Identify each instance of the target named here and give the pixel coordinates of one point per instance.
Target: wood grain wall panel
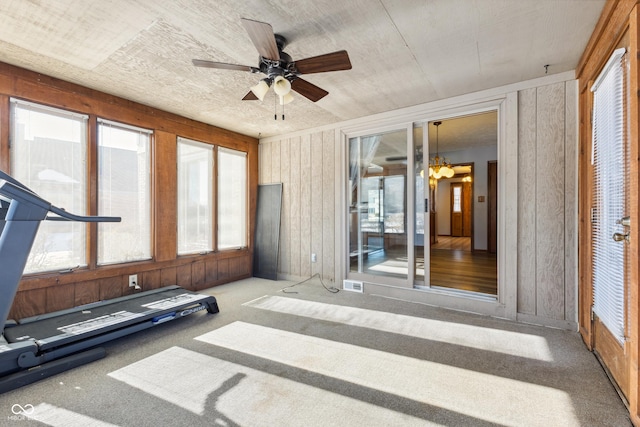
(237, 266)
(165, 195)
(110, 287)
(246, 270)
(198, 274)
(4, 133)
(294, 207)
(183, 276)
(223, 269)
(60, 297)
(276, 160)
(85, 292)
(527, 122)
(328, 204)
(211, 271)
(28, 303)
(168, 276)
(571, 201)
(252, 199)
(550, 202)
(264, 169)
(305, 205)
(317, 175)
(150, 280)
(285, 221)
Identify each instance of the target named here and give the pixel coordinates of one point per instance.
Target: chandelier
(438, 166)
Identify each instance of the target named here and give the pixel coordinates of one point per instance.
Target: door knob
(625, 221)
(619, 237)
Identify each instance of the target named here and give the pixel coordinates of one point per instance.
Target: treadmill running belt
(72, 326)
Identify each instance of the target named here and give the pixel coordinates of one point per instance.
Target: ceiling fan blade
(250, 96)
(221, 65)
(308, 90)
(334, 61)
(263, 39)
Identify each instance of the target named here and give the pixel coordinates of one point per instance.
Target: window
(610, 171)
(232, 199)
(124, 190)
(195, 197)
(49, 155)
(457, 197)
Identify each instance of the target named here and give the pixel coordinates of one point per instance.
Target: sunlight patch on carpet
(230, 394)
(467, 392)
(478, 337)
(57, 417)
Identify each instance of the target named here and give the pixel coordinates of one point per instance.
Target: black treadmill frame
(27, 354)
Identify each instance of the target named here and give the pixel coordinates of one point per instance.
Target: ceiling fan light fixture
(261, 89)
(281, 86)
(285, 99)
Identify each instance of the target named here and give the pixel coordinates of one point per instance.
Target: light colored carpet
(303, 356)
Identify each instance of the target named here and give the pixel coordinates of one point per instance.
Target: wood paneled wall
(547, 202)
(306, 166)
(42, 293)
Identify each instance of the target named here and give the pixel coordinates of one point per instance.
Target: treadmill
(41, 346)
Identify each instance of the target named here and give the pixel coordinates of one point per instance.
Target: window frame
(245, 209)
(150, 194)
(85, 139)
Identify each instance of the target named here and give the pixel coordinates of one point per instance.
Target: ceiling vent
(352, 285)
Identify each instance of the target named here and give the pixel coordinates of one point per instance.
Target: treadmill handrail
(14, 190)
(6, 177)
(66, 216)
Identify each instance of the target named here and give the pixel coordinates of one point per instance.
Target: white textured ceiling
(403, 52)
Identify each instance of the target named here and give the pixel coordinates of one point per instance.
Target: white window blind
(232, 199)
(610, 176)
(49, 155)
(124, 190)
(195, 197)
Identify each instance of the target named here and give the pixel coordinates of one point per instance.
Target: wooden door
(467, 209)
(612, 193)
(456, 210)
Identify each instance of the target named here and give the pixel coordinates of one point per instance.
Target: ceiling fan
(283, 73)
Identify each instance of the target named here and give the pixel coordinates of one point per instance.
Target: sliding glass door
(378, 198)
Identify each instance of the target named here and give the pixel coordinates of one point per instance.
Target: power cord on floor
(331, 289)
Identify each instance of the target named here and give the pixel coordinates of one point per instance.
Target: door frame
(505, 103)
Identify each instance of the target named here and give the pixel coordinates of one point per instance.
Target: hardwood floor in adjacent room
(464, 270)
(453, 243)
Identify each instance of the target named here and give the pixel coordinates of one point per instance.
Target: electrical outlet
(314, 258)
(133, 280)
